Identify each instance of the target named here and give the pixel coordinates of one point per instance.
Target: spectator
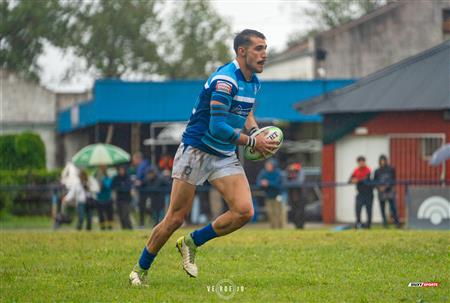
(104, 199)
(361, 177)
(153, 188)
(141, 166)
(295, 179)
(384, 180)
(121, 185)
(166, 176)
(79, 192)
(270, 179)
(166, 162)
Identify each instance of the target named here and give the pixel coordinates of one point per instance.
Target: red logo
(430, 284)
(223, 87)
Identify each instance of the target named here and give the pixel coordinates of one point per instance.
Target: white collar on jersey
(236, 64)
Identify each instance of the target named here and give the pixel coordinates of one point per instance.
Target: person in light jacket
(79, 192)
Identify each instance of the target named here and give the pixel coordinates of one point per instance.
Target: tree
(116, 37)
(24, 28)
(326, 14)
(197, 43)
(331, 13)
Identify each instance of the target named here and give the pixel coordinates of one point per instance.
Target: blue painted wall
(122, 101)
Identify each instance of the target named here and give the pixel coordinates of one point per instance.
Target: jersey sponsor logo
(238, 110)
(224, 87)
(187, 170)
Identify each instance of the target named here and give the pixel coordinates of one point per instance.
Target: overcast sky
(273, 18)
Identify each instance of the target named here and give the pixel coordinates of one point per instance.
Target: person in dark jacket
(153, 186)
(270, 179)
(384, 179)
(122, 185)
(361, 177)
(141, 167)
(104, 199)
(295, 180)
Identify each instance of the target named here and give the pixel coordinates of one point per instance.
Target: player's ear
(242, 51)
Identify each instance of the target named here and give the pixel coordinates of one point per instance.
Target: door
(347, 150)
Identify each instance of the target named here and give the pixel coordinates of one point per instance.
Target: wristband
(251, 141)
(253, 130)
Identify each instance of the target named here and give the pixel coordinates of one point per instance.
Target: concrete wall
(363, 46)
(26, 106)
(382, 38)
(26, 101)
(66, 100)
(72, 143)
(295, 68)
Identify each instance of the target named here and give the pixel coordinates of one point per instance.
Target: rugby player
(208, 152)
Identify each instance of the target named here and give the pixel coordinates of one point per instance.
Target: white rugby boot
(187, 249)
(138, 277)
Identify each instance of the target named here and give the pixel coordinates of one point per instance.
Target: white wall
(24, 101)
(73, 142)
(297, 68)
(26, 106)
(347, 150)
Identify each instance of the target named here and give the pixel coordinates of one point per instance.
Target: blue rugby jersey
(228, 86)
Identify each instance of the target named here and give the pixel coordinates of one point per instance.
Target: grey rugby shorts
(195, 166)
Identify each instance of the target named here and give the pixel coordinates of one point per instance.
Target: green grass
(272, 266)
(25, 222)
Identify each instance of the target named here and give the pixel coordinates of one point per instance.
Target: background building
(402, 111)
(127, 114)
(363, 46)
(27, 106)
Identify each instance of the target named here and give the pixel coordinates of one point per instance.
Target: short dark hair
(361, 158)
(243, 38)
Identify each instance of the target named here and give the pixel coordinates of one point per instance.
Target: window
(446, 23)
(429, 146)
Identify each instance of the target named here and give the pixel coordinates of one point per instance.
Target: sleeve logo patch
(223, 87)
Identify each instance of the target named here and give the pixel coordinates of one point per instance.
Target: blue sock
(146, 259)
(203, 235)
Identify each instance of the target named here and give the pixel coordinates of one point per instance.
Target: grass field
(265, 265)
(25, 222)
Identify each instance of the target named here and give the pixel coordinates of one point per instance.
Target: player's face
(256, 54)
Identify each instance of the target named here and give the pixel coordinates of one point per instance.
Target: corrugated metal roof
(421, 82)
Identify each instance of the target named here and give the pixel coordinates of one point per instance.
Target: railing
(37, 199)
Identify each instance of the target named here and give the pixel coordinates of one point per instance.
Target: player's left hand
(265, 145)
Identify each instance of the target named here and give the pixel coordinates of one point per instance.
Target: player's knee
(175, 221)
(244, 216)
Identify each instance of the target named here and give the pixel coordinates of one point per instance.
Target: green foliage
(24, 28)
(116, 37)
(271, 265)
(198, 42)
(22, 161)
(31, 150)
(331, 13)
(22, 151)
(19, 201)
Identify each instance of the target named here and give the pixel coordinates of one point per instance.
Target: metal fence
(38, 199)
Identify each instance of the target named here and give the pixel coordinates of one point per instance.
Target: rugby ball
(270, 132)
